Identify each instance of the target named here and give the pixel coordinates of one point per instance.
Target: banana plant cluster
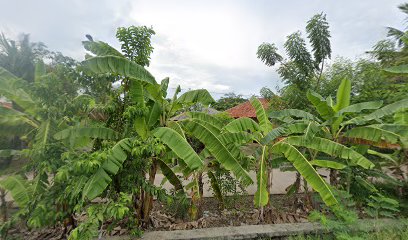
(337, 126)
(151, 115)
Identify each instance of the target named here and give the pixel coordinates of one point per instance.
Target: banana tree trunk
(3, 205)
(296, 201)
(269, 186)
(333, 177)
(148, 199)
(201, 194)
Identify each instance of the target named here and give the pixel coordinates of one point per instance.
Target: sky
(202, 44)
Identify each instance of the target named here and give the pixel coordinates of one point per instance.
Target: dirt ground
(237, 211)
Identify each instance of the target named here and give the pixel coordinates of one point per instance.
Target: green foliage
(318, 32)
(19, 188)
(120, 66)
(267, 52)
(228, 101)
(111, 165)
(381, 206)
(219, 150)
(306, 170)
(136, 43)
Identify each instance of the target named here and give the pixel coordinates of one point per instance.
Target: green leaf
(14, 89)
(367, 185)
(388, 157)
(218, 150)
(343, 95)
(304, 167)
(358, 107)
(98, 182)
(4, 153)
(382, 112)
(264, 123)
(242, 125)
(331, 148)
(215, 187)
(164, 86)
(176, 127)
(43, 133)
(179, 146)
(92, 132)
(273, 135)
(207, 118)
(328, 164)
(196, 96)
(19, 189)
(235, 138)
(292, 113)
(101, 48)
(322, 107)
(154, 114)
(170, 175)
(401, 117)
(373, 133)
(261, 196)
(39, 71)
(120, 66)
(401, 69)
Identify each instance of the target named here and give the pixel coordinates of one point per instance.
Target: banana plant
(276, 141)
(339, 124)
(150, 113)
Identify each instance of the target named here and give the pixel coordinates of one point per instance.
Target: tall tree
(228, 101)
(303, 68)
(19, 57)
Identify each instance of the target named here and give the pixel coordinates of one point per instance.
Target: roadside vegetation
(83, 142)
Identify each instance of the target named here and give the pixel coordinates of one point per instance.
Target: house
(246, 109)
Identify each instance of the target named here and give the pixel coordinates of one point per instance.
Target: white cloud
(202, 44)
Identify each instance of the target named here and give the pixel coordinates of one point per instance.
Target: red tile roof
(246, 110)
(6, 105)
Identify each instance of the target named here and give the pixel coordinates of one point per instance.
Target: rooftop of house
(246, 109)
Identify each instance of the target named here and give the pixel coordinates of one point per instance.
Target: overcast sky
(202, 44)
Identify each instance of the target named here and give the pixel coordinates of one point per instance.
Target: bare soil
(237, 211)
